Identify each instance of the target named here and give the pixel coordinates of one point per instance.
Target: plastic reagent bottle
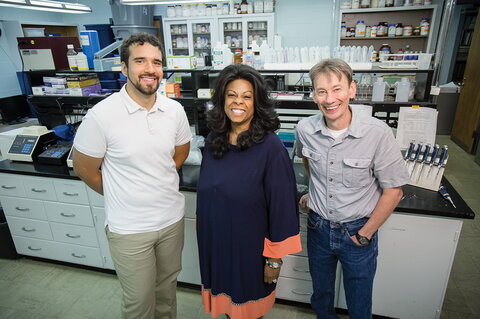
(360, 29)
(82, 62)
(403, 90)
(72, 58)
(378, 92)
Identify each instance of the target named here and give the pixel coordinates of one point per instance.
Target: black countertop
(416, 200)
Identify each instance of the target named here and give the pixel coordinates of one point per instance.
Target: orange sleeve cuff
(279, 249)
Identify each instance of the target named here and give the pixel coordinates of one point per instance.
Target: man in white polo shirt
(139, 139)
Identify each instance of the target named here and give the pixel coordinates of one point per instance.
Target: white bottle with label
(378, 92)
(72, 58)
(82, 62)
(403, 90)
(360, 29)
(217, 56)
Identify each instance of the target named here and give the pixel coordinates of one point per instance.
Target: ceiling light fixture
(149, 2)
(46, 5)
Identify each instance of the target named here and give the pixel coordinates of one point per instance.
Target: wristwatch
(273, 264)
(364, 241)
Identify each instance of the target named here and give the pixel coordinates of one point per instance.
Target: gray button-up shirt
(347, 174)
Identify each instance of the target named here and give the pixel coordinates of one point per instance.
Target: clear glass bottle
(72, 58)
(244, 7)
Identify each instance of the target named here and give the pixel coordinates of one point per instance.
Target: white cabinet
(392, 15)
(415, 258)
(50, 218)
(190, 263)
(239, 31)
(197, 35)
(193, 36)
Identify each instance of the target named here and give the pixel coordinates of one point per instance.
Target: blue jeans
(330, 242)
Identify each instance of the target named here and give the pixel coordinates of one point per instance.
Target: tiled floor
(37, 289)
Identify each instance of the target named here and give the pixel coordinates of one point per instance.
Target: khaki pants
(147, 267)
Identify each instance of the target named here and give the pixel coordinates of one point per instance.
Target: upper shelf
(389, 9)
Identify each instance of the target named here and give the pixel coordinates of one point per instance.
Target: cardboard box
(172, 90)
(85, 91)
(181, 62)
(83, 83)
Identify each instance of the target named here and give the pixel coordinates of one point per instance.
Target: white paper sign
(418, 124)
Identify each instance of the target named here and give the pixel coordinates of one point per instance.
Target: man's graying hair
(138, 38)
(328, 66)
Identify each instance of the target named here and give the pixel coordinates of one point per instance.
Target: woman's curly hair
(265, 119)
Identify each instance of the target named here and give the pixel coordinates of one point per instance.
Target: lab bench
(53, 215)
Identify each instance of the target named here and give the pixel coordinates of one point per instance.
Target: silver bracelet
(273, 264)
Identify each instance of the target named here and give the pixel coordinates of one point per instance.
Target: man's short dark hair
(138, 38)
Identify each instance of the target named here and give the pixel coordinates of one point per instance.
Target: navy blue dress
(246, 211)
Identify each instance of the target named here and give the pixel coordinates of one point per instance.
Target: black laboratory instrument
(55, 154)
(433, 157)
(443, 158)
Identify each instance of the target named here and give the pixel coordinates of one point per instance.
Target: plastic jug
(403, 89)
(82, 61)
(378, 92)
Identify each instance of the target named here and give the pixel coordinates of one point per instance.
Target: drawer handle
(302, 293)
(28, 230)
(39, 190)
(70, 194)
(34, 249)
(67, 215)
(78, 256)
(8, 187)
(22, 209)
(72, 236)
(300, 269)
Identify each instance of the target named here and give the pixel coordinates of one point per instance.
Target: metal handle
(8, 187)
(34, 249)
(78, 256)
(70, 194)
(28, 230)
(67, 215)
(22, 209)
(300, 269)
(39, 190)
(302, 293)
(72, 236)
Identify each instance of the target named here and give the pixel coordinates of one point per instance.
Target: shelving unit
(405, 15)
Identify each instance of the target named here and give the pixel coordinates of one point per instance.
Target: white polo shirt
(140, 181)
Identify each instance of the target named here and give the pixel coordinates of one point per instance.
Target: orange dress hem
(222, 304)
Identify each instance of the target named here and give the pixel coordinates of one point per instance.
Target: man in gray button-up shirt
(356, 172)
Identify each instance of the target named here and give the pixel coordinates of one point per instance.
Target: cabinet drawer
(69, 213)
(35, 247)
(303, 240)
(23, 207)
(79, 255)
(29, 228)
(71, 192)
(294, 289)
(11, 185)
(40, 188)
(295, 267)
(190, 204)
(95, 198)
(72, 234)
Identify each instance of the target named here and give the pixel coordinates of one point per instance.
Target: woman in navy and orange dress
(247, 214)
